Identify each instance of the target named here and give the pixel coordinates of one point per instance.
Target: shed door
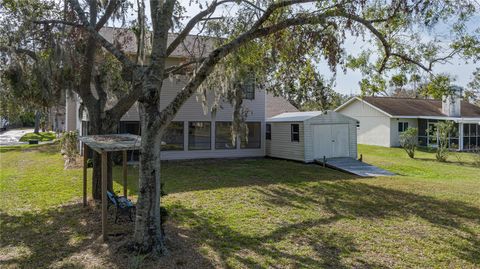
(330, 141)
(340, 140)
(322, 145)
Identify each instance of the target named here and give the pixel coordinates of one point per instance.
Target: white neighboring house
(382, 119)
(313, 135)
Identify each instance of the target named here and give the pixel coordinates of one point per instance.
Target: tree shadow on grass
(195, 175)
(343, 200)
(69, 237)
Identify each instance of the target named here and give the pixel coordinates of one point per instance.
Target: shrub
(408, 141)
(68, 145)
(444, 130)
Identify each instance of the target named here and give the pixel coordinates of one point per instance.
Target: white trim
(460, 136)
(345, 104)
(363, 101)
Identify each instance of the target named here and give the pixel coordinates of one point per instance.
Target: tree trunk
(148, 236)
(99, 126)
(37, 122)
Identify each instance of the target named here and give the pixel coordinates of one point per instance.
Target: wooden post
(104, 196)
(324, 161)
(125, 173)
(85, 163)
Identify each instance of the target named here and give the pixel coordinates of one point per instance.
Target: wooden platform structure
(103, 144)
(355, 167)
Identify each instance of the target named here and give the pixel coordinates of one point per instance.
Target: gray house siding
(193, 111)
(281, 146)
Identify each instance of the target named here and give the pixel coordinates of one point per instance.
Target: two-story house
(193, 133)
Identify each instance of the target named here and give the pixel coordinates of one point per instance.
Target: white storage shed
(308, 136)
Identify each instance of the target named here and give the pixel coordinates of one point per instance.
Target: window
(248, 87)
(172, 139)
(223, 136)
(402, 126)
(295, 133)
(199, 135)
(268, 132)
(253, 138)
(84, 128)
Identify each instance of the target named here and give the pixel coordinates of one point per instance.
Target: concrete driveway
(12, 137)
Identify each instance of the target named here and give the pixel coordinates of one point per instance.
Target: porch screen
(471, 136)
(223, 135)
(173, 137)
(254, 136)
(199, 135)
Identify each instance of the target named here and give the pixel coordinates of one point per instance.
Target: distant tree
(472, 93)
(309, 92)
(29, 85)
(408, 141)
(437, 87)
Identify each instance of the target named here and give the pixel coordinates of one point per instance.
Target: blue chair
(123, 206)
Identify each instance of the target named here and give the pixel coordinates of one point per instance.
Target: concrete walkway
(12, 137)
(355, 167)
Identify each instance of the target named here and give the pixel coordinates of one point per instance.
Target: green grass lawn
(41, 136)
(258, 213)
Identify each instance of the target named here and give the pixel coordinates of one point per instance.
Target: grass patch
(41, 136)
(258, 213)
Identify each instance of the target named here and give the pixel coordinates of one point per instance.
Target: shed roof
(112, 142)
(295, 116)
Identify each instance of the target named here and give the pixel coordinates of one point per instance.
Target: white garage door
(330, 141)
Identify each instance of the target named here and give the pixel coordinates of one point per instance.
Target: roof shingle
(277, 105)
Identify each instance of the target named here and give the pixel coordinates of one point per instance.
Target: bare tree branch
(215, 56)
(111, 7)
(100, 39)
(191, 24)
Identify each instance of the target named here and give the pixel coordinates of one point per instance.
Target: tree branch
(191, 24)
(111, 7)
(215, 56)
(119, 55)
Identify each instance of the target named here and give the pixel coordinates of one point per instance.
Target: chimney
(451, 104)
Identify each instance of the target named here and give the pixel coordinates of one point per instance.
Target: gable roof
(277, 105)
(396, 107)
(295, 116)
